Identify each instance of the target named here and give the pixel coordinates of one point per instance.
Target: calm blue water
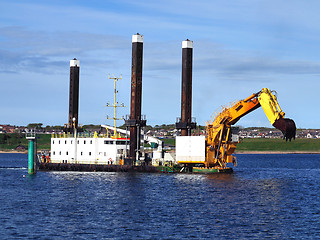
(267, 197)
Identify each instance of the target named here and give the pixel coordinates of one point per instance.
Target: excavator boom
(219, 141)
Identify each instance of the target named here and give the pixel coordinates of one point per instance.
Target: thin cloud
(228, 62)
(24, 50)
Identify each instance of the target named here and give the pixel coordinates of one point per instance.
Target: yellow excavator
(221, 143)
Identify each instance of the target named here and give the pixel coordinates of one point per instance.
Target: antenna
(115, 105)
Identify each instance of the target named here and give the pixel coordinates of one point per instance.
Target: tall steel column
(74, 94)
(136, 122)
(185, 122)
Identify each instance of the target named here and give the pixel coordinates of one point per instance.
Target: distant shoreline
(13, 151)
(237, 152)
(275, 152)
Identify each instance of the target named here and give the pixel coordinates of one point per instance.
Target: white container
(190, 149)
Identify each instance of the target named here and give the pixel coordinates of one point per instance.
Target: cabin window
(60, 153)
(90, 141)
(84, 141)
(59, 141)
(54, 153)
(78, 141)
(89, 153)
(81, 153)
(105, 154)
(52, 141)
(121, 142)
(71, 141)
(65, 142)
(66, 153)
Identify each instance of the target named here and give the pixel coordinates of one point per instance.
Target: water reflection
(189, 178)
(222, 177)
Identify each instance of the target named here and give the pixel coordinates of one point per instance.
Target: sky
(240, 47)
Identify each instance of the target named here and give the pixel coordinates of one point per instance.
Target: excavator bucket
(287, 126)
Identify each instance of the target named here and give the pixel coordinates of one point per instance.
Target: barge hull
(74, 167)
(212, 170)
(95, 168)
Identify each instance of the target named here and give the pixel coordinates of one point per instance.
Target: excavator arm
(219, 142)
(270, 106)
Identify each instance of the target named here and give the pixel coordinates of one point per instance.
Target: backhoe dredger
(221, 143)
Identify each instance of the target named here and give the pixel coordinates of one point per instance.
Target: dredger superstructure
(205, 154)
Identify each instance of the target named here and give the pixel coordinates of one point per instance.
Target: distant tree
(3, 138)
(8, 138)
(57, 127)
(148, 127)
(34, 125)
(91, 127)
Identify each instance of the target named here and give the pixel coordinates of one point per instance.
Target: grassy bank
(11, 141)
(279, 145)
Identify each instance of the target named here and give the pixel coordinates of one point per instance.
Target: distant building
(7, 129)
(309, 135)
